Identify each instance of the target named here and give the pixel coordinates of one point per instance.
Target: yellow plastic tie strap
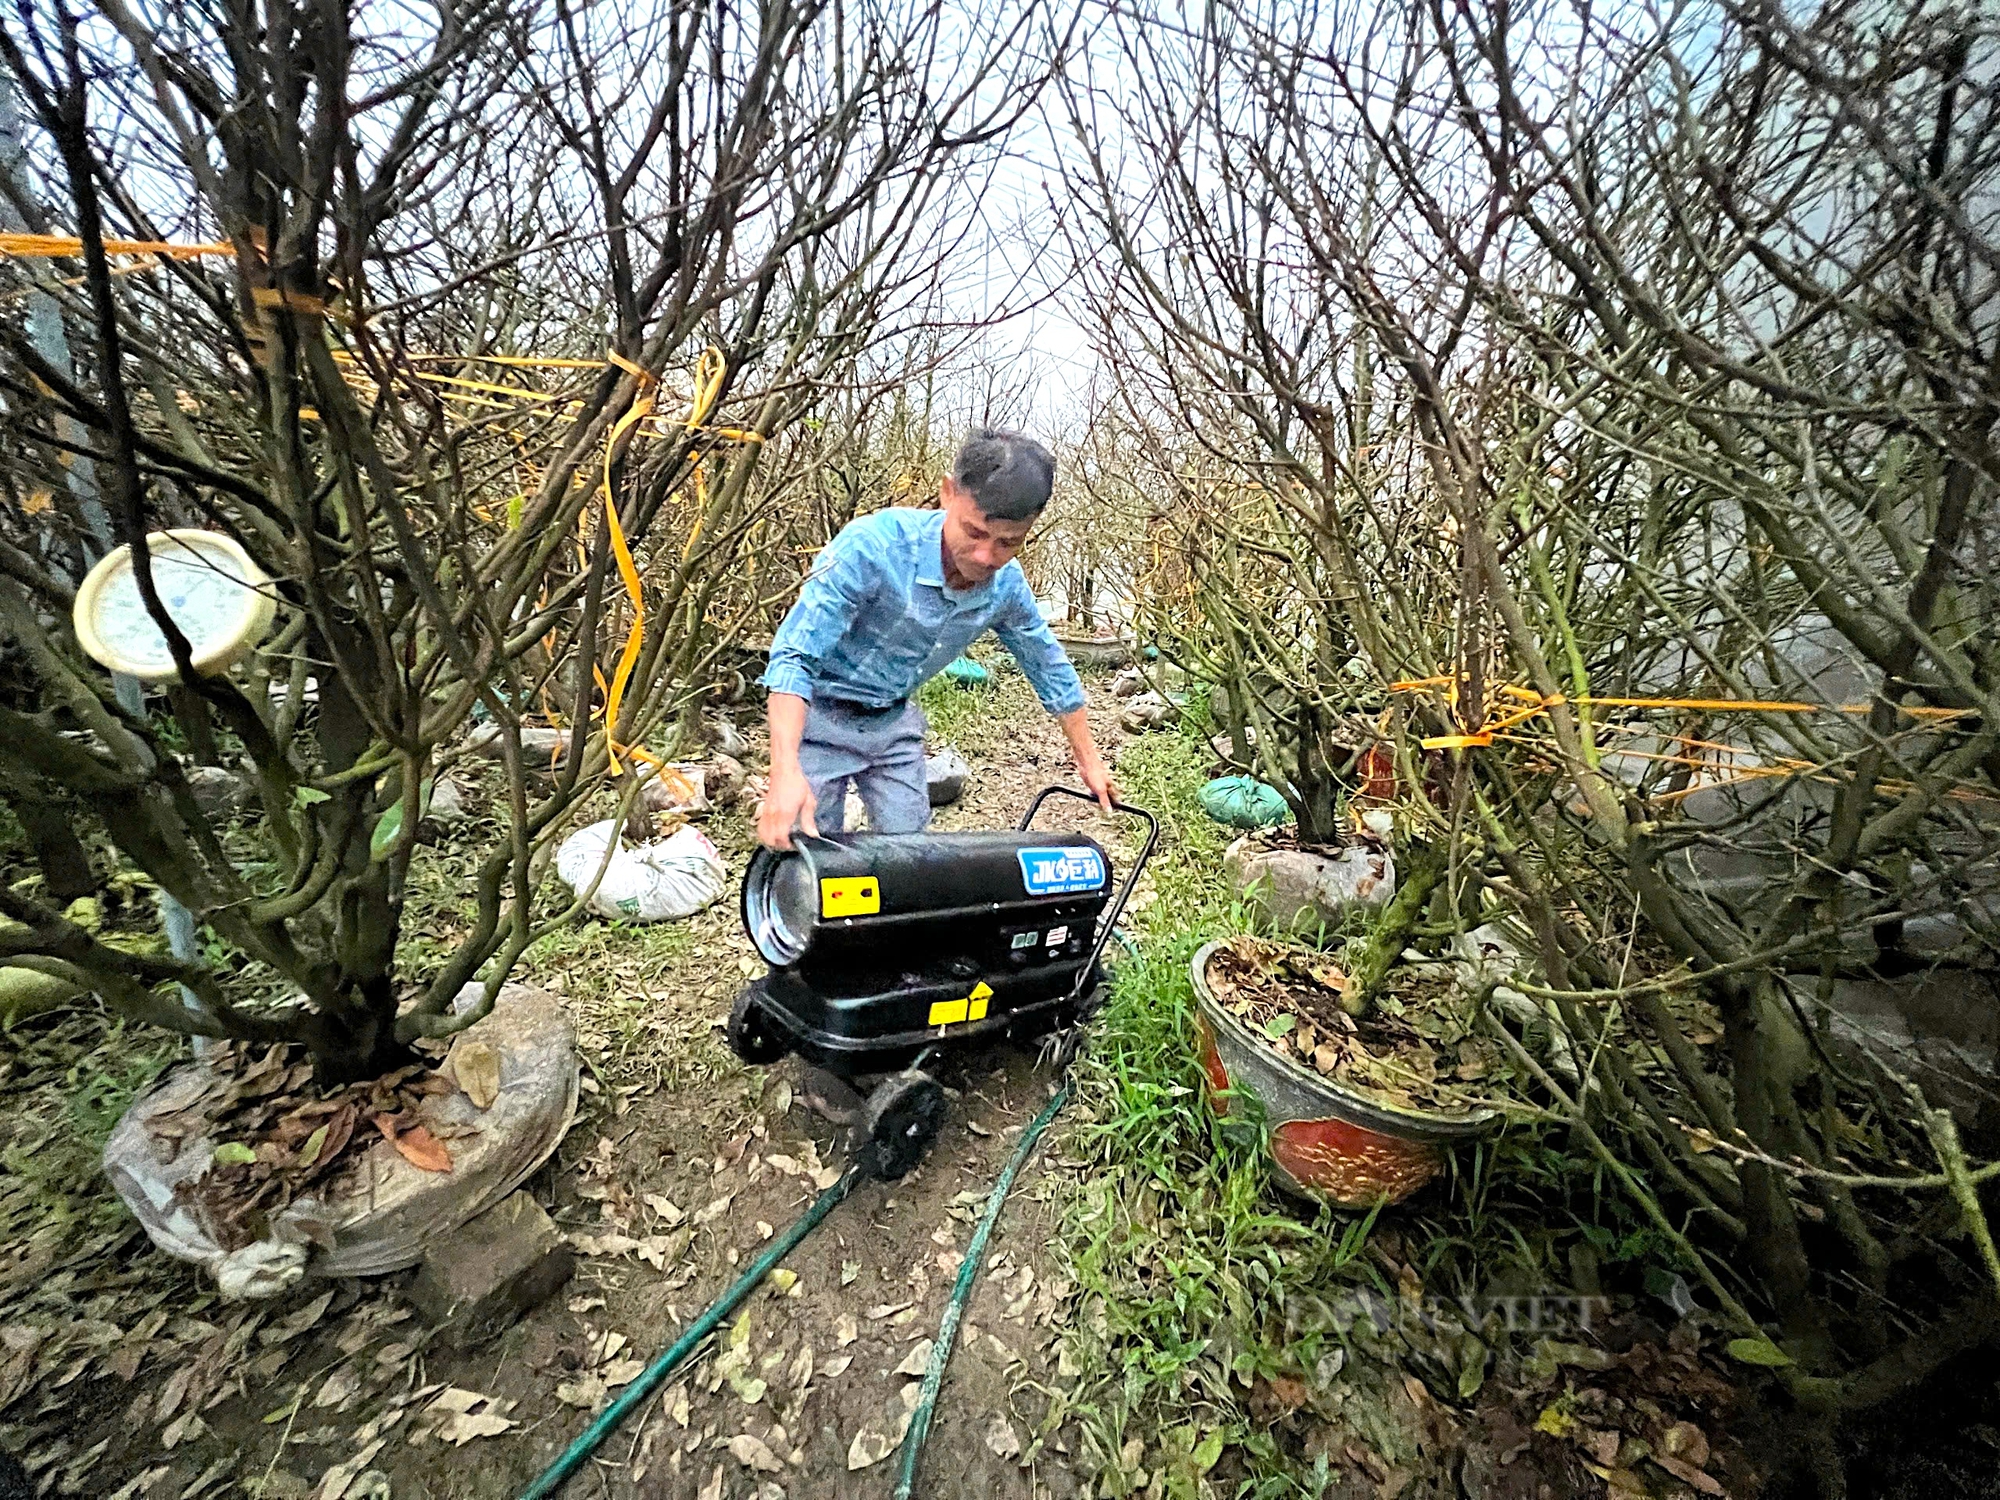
(43, 246)
(515, 361)
(628, 570)
(1541, 702)
(302, 303)
(709, 373)
(1456, 741)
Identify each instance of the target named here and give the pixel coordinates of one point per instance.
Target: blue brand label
(1057, 872)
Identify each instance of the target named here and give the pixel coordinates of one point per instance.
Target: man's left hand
(1096, 778)
(1090, 767)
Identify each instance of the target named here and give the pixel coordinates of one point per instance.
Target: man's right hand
(788, 805)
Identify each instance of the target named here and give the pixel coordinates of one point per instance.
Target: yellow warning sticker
(971, 1008)
(849, 896)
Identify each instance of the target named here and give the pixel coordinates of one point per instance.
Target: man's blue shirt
(875, 619)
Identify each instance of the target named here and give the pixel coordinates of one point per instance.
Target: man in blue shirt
(888, 604)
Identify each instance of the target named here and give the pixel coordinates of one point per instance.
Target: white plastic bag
(661, 882)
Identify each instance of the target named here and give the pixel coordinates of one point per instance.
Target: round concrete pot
(1327, 1141)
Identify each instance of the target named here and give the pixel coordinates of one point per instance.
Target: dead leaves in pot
(416, 1145)
(475, 1065)
(1412, 1049)
(261, 1100)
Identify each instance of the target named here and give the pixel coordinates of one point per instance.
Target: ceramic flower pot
(1327, 1141)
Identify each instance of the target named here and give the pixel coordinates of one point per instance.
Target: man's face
(975, 545)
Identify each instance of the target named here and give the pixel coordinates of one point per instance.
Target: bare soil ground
(681, 1165)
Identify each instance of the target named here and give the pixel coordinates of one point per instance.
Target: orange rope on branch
(614, 696)
(1539, 703)
(52, 246)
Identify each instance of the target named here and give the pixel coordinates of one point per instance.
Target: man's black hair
(1008, 474)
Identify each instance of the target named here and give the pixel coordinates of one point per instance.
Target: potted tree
(462, 489)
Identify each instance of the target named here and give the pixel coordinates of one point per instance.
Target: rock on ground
(447, 804)
(944, 776)
(1299, 890)
(218, 793)
(477, 1281)
(1147, 711)
(542, 748)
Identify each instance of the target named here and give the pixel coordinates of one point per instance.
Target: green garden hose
(557, 1474)
(961, 1293)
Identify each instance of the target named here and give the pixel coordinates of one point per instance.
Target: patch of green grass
(965, 717)
(1198, 1277)
(71, 1083)
(104, 1082)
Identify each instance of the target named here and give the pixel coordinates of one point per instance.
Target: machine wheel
(905, 1113)
(751, 1035)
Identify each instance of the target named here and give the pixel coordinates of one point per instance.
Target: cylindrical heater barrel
(887, 899)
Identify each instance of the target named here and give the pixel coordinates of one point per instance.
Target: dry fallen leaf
(1001, 1438)
(585, 1391)
(713, 1489)
(889, 1309)
(1687, 1473)
(1686, 1442)
(457, 1399)
(800, 1373)
(621, 1372)
(666, 1208)
(604, 1244)
(714, 1210)
(754, 1453)
(476, 1066)
(422, 1149)
(845, 1329)
(340, 1478)
(340, 1385)
(868, 1448)
(918, 1360)
(836, 1366)
(465, 1426)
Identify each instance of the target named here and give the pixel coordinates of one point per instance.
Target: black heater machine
(889, 950)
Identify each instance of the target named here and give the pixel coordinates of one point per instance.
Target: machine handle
(1124, 891)
(1059, 790)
